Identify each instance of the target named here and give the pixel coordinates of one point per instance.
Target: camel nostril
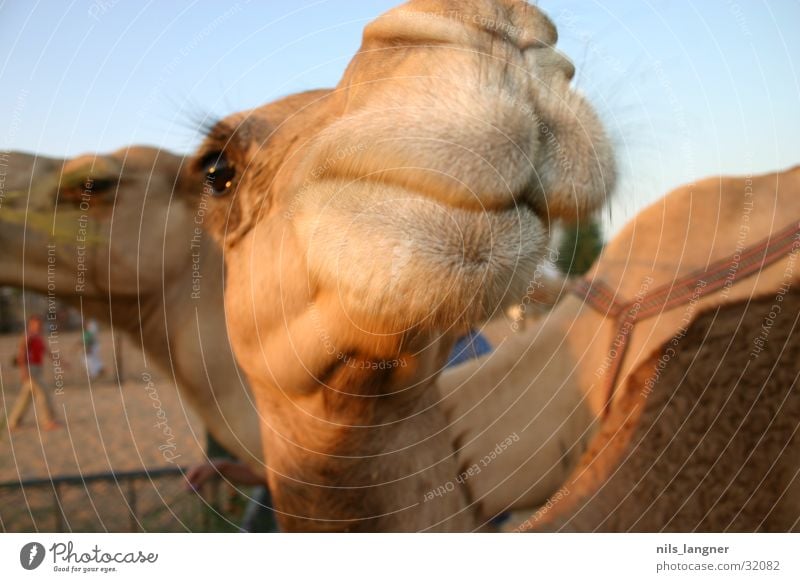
(549, 60)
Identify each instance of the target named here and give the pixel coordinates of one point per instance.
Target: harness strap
(722, 273)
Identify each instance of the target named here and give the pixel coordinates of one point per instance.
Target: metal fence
(136, 501)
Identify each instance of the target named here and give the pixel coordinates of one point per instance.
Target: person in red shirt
(30, 360)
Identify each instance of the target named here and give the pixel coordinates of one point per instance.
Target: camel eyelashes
(219, 172)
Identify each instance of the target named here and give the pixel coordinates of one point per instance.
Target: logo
(31, 555)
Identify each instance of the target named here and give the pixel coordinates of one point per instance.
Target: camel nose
(566, 65)
(530, 26)
(552, 61)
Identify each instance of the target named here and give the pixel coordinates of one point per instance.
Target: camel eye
(99, 186)
(83, 189)
(219, 172)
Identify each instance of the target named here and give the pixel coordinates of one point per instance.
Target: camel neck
(381, 460)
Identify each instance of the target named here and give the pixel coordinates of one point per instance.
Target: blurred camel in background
(662, 394)
(119, 236)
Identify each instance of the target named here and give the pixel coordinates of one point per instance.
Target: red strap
(719, 274)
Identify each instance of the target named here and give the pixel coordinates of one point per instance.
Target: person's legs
(41, 397)
(94, 363)
(20, 405)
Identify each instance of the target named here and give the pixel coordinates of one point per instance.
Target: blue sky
(687, 88)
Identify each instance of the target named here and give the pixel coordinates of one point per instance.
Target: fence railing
(144, 500)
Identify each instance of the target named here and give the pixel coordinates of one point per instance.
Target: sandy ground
(104, 427)
(107, 426)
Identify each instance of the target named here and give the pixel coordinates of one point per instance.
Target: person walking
(30, 360)
(91, 343)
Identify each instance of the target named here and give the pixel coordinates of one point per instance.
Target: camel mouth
(536, 205)
(434, 262)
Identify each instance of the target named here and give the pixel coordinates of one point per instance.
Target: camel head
(96, 226)
(120, 235)
(367, 226)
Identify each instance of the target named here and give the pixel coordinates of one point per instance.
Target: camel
(118, 236)
(377, 223)
(683, 418)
